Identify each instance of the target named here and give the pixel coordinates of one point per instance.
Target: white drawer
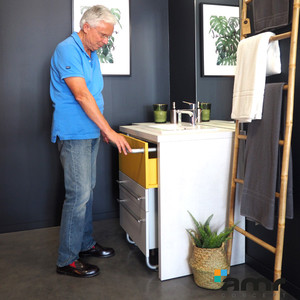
(138, 213)
(135, 210)
(135, 228)
(130, 191)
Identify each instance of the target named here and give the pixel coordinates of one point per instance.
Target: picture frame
(115, 57)
(220, 35)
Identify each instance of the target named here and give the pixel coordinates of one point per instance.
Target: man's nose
(105, 41)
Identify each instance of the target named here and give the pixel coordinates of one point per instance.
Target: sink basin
(179, 127)
(166, 126)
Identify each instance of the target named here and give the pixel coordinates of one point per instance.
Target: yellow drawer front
(138, 166)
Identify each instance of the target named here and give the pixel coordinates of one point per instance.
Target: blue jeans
(78, 158)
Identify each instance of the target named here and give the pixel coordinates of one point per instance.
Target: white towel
(256, 58)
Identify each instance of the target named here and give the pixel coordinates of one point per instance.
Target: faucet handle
(192, 104)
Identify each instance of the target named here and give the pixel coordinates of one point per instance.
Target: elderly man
(76, 92)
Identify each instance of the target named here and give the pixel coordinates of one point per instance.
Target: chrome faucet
(190, 111)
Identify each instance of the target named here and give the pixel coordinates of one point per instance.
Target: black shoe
(98, 251)
(79, 269)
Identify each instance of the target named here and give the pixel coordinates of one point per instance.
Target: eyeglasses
(103, 36)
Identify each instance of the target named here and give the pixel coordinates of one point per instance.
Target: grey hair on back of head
(95, 14)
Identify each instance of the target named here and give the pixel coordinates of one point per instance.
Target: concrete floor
(27, 271)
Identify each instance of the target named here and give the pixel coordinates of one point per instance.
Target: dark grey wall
(31, 180)
(31, 189)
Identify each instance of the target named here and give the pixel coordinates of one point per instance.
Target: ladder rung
(236, 180)
(256, 239)
(244, 137)
(241, 181)
(281, 36)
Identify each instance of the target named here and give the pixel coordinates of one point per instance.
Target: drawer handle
(137, 218)
(142, 150)
(121, 181)
(137, 197)
(122, 200)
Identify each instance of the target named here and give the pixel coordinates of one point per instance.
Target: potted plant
(209, 262)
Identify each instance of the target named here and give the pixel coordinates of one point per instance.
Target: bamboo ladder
(286, 143)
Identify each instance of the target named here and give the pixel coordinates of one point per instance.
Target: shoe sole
(100, 256)
(76, 275)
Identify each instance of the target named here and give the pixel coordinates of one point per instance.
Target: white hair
(95, 14)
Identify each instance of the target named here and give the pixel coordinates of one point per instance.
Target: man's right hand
(118, 140)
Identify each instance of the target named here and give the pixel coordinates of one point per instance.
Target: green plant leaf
(117, 13)
(204, 237)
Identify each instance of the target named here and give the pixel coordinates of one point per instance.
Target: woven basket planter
(204, 262)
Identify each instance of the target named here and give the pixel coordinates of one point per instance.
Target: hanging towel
(254, 56)
(261, 160)
(270, 14)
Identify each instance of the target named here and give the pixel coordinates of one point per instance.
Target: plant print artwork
(226, 33)
(220, 39)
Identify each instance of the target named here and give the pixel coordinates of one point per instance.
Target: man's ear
(86, 27)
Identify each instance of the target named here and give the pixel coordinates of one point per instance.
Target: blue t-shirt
(70, 122)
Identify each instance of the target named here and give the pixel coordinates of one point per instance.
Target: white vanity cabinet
(193, 174)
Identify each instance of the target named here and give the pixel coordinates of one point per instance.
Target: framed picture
(115, 56)
(220, 35)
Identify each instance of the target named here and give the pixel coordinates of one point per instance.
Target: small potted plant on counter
(209, 262)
